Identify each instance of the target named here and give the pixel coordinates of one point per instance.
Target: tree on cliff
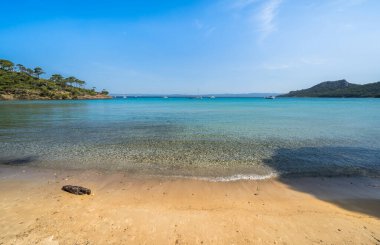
(58, 79)
(21, 68)
(38, 71)
(20, 82)
(6, 65)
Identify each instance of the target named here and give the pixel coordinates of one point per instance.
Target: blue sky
(183, 46)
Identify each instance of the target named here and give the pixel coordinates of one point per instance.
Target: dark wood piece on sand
(77, 190)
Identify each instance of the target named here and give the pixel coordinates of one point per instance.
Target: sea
(217, 139)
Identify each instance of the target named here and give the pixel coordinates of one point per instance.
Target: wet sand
(126, 209)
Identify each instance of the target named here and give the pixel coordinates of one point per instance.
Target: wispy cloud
(262, 13)
(266, 17)
(207, 29)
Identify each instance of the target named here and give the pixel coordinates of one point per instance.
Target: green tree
(22, 82)
(81, 83)
(38, 71)
(29, 71)
(58, 79)
(71, 80)
(6, 65)
(21, 68)
(105, 92)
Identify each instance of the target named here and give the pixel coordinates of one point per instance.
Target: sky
(193, 46)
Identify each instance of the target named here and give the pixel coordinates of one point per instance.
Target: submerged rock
(77, 190)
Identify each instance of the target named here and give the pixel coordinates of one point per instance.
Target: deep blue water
(208, 137)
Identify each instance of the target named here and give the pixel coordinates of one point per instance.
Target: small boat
(196, 97)
(270, 97)
(212, 97)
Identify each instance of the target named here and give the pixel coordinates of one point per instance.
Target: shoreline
(90, 97)
(132, 209)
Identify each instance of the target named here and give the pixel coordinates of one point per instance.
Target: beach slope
(126, 209)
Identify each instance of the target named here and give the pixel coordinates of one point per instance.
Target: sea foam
(231, 178)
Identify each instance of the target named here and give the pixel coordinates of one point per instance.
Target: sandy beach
(126, 209)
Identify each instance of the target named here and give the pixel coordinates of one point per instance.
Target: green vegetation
(19, 82)
(338, 89)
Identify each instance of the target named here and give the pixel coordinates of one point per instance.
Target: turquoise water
(222, 137)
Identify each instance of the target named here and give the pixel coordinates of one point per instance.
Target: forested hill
(338, 89)
(20, 82)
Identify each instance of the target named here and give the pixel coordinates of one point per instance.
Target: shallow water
(237, 137)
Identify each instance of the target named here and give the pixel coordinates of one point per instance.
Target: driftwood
(77, 190)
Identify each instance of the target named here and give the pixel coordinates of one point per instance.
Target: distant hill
(18, 82)
(338, 89)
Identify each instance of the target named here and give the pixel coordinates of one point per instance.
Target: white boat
(270, 97)
(197, 97)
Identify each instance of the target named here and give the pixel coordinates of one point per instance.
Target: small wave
(231, 178)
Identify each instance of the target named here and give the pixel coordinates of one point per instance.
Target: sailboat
(270, 97)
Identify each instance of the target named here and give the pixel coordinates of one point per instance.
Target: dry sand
(127, 209)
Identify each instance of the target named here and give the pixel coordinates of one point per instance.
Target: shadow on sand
(350, 188)
(18, 161)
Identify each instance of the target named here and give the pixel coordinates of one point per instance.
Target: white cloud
(267, 16)
(207, 29)
(261, 12)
